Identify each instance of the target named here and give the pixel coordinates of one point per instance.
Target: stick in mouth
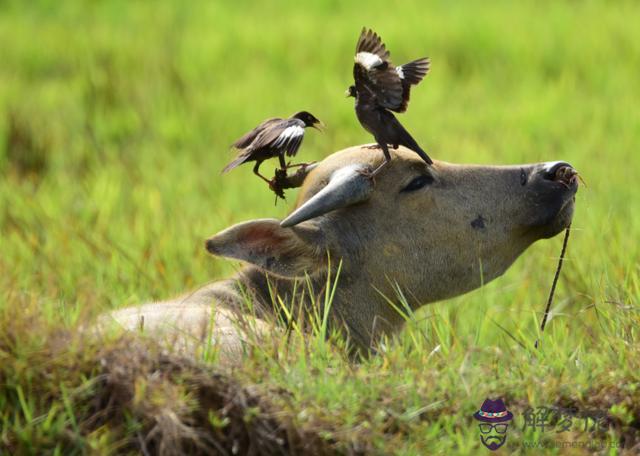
(553, 285)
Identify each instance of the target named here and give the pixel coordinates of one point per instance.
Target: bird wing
(411, 74)
(283, 136)
(373, 69)
(246, 140)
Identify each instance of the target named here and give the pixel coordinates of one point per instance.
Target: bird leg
(297, 165)
(387, 159)
(286, 166)
(257, 173)
(283, 164)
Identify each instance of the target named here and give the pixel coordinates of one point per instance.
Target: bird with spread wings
(380, 88)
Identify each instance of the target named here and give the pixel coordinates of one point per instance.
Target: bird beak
(319, 126)
(347, 94)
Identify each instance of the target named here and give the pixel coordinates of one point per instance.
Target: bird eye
(418, 182)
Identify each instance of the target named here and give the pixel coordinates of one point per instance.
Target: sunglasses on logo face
(485, 428)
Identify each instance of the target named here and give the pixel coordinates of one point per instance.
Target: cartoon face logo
(494, 418)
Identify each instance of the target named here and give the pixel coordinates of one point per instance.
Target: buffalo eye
(418, 182)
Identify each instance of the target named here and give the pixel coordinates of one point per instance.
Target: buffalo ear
(286, 252)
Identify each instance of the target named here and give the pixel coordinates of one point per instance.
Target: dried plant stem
(555, 282)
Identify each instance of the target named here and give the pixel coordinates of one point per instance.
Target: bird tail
(413, 72)
(409, 142)
(237, 162)
(417, 149)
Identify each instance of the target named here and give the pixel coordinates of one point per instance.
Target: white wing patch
(368, 60)
(289, 133)
(400, 72)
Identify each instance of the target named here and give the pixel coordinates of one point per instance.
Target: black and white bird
(273, 137)
(381, 88)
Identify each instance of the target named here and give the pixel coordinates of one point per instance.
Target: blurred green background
(116, 118)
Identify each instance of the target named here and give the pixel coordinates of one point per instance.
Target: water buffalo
(432, 232)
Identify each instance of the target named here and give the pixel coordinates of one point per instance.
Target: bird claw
(371, 174)
(282, 180)
(372, 146)
(276, 184)
(368, 173)
(303, 167)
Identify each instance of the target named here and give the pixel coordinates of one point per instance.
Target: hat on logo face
(493, 412)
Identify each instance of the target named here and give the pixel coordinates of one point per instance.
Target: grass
(115, 118)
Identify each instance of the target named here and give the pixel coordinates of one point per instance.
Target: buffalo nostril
(564, 174)
(550, 169)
